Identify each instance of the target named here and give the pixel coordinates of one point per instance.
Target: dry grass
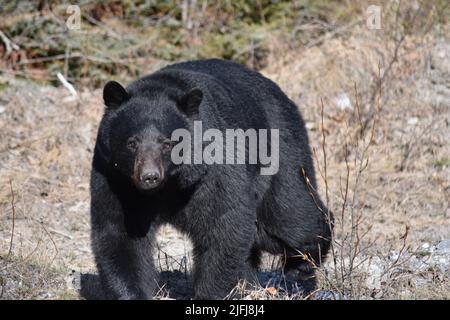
(389, 186)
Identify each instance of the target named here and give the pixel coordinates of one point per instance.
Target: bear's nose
(151, 178)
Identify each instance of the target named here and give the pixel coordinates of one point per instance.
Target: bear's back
(234, 76)
(253, 101)
(254, 93)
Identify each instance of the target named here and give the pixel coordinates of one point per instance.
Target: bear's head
(139, 131)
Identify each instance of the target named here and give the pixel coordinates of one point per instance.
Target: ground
(382, 159)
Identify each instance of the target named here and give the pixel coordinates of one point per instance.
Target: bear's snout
(148, 171)
(150, 179)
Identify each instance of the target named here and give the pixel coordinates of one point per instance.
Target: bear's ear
(190, 101)
(114, 94)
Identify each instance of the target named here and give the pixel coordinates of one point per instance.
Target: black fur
(230, 212)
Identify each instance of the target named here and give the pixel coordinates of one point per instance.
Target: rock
(376, 274)
(419, 282)
(278, 281)
(328, 295)
(417, 263)
(440, 259)
(73, 280)
(443, 247)
(413, 121)
(440, 57)
(343, 102)
(310, 126)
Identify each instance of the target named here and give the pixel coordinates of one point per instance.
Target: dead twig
(9, 45)
(52, 240)
(67, 85)
(13, 219)
(333, 33)
(72, 56)
(61, 233)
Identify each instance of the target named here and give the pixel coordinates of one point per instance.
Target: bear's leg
(299, 271)
(125, 264)
(219, 268)
(223, 245)
(295, 223)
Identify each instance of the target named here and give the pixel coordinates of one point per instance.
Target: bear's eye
(132, 144)
(167, 145)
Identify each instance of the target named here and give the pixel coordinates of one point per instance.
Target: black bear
(232, 212)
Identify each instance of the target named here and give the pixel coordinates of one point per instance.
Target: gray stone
(443, 247)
